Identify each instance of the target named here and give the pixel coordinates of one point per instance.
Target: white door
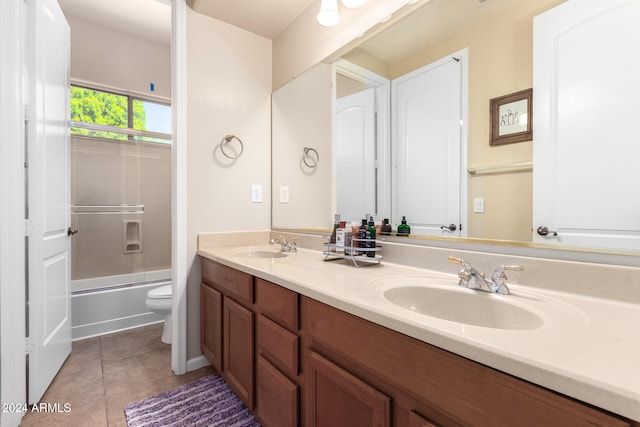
(427, 120)
(586, 143)
(49, 322)
(356, 163)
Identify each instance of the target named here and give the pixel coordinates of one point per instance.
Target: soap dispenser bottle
(371, 244)
(385, 229)
(403, 228)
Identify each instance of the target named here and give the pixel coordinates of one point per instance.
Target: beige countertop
(586, 347)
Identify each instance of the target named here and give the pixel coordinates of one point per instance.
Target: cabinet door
(277, 396)
(238, 350)
(338, 399)
(211, 325)
(416, 420)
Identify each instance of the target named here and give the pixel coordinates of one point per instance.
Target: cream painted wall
(229, 92)
(305, 43)
(301, 117)
(118, 60)
(500, 62)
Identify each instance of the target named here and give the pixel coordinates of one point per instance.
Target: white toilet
(159, 301)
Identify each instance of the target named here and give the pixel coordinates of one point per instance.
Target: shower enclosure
(121, 207)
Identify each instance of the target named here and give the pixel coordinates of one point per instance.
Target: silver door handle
(450, 227)
(543, 231)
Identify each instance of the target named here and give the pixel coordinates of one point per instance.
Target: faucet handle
(465, 273)
(501, 269)
(460, 261)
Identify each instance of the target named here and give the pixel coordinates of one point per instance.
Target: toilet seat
(161, 292)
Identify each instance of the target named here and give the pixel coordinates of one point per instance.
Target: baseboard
(197, 363)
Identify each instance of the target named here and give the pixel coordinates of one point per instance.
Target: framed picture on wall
(511, 118)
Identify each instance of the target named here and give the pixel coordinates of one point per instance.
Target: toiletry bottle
(355, 235)
(385, 229)
(404, 229)
(372, 235)
(340, 237)
(362, 235)
(336, 225)
(348, 242)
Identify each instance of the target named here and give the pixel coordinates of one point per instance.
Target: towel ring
(306, 156)
(227, 139)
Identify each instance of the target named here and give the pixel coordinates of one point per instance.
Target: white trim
(179, 185)
(133, 279)
(12, 248)
(382, 87)
(197, 363)
(132, 93)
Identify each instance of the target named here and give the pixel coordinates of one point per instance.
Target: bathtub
(104, 305)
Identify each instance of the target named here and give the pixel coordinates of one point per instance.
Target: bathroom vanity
(302, 343)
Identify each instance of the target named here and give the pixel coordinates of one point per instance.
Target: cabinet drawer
(231, 282)
(277, 303)
(277, 397)
(277, 345)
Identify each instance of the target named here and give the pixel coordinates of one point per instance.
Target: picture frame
(511, 118)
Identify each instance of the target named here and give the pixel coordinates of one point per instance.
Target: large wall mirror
(497, 186)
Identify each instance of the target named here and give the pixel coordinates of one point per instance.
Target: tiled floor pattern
(104, 374)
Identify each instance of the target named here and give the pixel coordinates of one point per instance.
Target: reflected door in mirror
(356, 163)
(427, 134)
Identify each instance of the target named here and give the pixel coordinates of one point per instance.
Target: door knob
(72, 231)
(543, 231)
(450, 227)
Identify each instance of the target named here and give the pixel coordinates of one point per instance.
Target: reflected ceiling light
(328, 15)
(353, 4)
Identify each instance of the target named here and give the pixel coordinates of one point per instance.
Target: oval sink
(464, 306)
(260, 253)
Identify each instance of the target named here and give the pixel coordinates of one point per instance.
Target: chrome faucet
(473, 279)
(285, 246)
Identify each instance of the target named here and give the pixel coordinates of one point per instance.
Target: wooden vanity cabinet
(318, 366)
(227, 326)
(430, 386)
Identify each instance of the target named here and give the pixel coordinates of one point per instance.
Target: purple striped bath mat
(206, 402)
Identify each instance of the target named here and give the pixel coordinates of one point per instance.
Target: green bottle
(371, 235)
(403, 229)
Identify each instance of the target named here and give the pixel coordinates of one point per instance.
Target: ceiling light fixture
(328, 15)
(353, 4)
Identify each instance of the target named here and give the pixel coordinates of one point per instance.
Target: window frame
(129, 131)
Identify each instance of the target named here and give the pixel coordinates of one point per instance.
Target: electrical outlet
(284, 194)
(478, 204)
(256, 193)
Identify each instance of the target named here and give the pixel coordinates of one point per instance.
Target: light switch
(478, 204)
(256, 193)
(284, 194)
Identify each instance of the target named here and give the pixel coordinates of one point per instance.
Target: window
(102, 114)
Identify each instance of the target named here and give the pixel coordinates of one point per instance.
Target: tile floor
(104, 374)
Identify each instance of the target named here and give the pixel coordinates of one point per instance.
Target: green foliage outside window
(104, 108)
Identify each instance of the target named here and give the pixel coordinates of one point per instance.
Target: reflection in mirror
(362, 143)
(498, 35)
